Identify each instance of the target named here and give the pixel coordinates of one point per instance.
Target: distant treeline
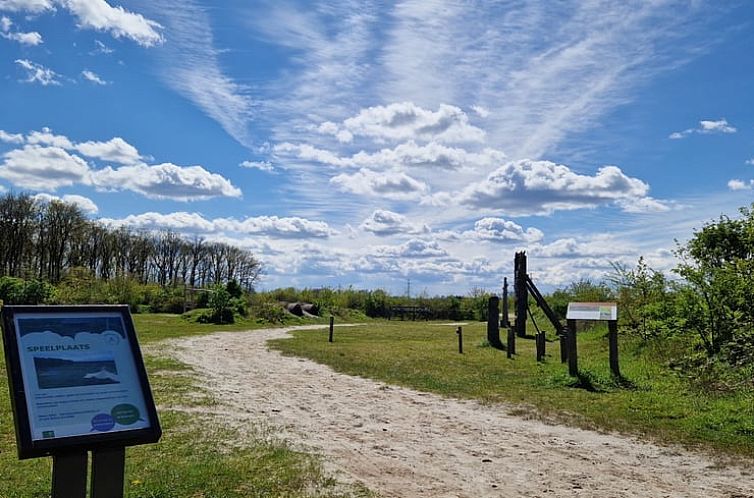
(47, 240)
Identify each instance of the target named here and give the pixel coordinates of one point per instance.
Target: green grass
(197, 457)
(648, 401)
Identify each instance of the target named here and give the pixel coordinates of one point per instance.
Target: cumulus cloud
(598, 246)
(383, 223)
(11, 138)
(736, 184)
(539, 187)
(706, 127)
(265, 166)
(393, 184)
(32, 38)
(115, 150)
(414, 248)
(40, 168)
(407, 155)
(271, 226)
(500, 230)
(98, 15)
(48, 161)
(37, 73)
(407, 121)
(83, 203)
(483, 112)
(92, 77)
(31, 6)
(166, 181)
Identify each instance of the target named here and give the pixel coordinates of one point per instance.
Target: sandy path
(405, 443)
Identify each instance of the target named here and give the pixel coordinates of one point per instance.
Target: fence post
(459, 331)
(612, 327)
(540, 342)
(511, 343)
(563, 348)
(573, 364)
(493, 323)
(332, 325)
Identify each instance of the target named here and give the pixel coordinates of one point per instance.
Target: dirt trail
(405, 443)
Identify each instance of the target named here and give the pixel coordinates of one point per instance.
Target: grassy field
(196, 458)
(650, 400)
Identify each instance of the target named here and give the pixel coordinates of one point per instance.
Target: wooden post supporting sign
(107, 472)
(459, 331)
(573, 362)
(69, 475)
(612, 326)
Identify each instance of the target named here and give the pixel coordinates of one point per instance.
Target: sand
(404, 443)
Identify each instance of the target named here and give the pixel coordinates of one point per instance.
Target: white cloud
(32, 6)
(120, 23)
(116, 150)
(46, 163)
(414, 248)
(407, 155)
(166, 181)
(265, 166)
(43, 168)
(597, 246)
(271, 226)
(500, 230)
(706, 127)
(384, 223)
(393, 184)
(47, 137)
(93, 77)
(539, 187)
(32, 39)
(407, 121)
(83, 203)
(11, 138)
(736, 184)
(191, 66)
(37, 73)
(482, 112)
(101, 48)
(98, 15)
(750, 161)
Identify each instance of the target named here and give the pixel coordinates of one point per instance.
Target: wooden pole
(540, 342)
(522, 293)
(563, 348)
(504, 323)
(612, 326)
(511, 342)
(108, 467)
(573, 364)
(459, 331)
(493, 323)
(332, 326)
(69, 475)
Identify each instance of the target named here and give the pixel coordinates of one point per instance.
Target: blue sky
(367, 143)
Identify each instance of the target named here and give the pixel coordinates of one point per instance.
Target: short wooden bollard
(332, 326)
(511, 349)
(573, 362)
(459, 331)
(540, 342)
(612, 327)
(563, 348)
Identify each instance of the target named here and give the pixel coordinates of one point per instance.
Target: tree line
(45, 240)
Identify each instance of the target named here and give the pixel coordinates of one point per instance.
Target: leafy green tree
(717, 265)
(220, 303)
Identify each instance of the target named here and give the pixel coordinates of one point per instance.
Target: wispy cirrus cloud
(190, 65)
(37, 73)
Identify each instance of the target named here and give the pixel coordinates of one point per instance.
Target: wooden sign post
(592, 312)
(78, 384)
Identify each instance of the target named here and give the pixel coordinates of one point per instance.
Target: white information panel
(79, 374)
(592, 311)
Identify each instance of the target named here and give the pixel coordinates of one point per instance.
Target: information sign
(592, 311)
(77, 379)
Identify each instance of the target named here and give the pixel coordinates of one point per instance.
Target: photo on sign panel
(57, 372)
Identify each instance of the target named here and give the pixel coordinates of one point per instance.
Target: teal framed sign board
(77, 379)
